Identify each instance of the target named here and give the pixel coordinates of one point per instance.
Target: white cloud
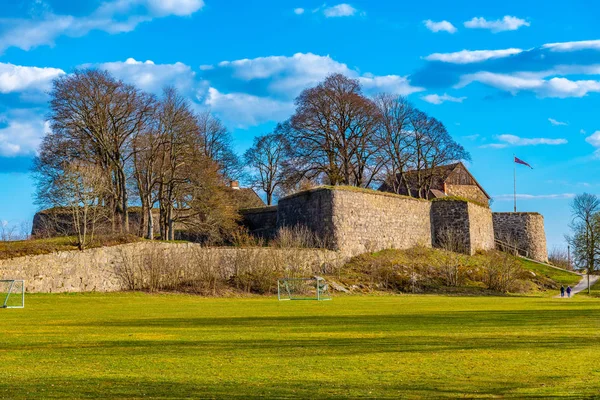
(113, 17)
(298, 11)
(23, 132)
(341, 10)
(510, 197)
(441, 26)
(594, 139)
(395, 84)
(507, 140)
(17, 78)
(582, 131)
(244, 91)
(288, 76)
(472, 56)
(514, 83)
(180, 8)
(508, 23)
(437, 99)
(153, 77)
(557, 123)
(247, 110)
(573, 46)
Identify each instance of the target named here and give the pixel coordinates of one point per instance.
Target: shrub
(501, 271)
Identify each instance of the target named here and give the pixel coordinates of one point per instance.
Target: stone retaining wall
(97, 269)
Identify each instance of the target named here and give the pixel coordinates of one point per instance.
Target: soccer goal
(315, 288)
(12, 293)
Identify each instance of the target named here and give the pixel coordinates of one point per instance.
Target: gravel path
(582, 285)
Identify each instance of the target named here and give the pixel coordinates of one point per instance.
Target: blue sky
(508, 78)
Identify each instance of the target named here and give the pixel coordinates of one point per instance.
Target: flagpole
(515, 181)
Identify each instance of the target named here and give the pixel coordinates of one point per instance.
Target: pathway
(582, 285)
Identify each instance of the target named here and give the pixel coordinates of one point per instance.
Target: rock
(337, 287)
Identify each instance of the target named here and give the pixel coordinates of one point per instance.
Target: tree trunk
(150, 221)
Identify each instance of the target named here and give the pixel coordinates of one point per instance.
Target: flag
(519, 161)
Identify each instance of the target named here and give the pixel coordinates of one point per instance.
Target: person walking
(568, 291)
(562, 291)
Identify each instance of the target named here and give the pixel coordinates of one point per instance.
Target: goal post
(315, 288)
(12, 293)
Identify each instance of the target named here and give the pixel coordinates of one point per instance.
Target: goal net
(12, 293)
(315, 288)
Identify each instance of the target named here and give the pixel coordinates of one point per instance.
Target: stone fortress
(354, 221)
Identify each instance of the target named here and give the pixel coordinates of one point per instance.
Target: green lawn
(117, 346)
(558, 275)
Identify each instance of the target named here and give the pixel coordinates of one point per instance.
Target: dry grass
(426, 270)
(34, 247)
(217, 272)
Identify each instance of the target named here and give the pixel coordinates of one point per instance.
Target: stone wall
(355, 221)
(525, 229)
(97, 269)
(367, 222)
(261, 222)
(462, 225)
(312, 209)
(472, 192)
(481, 228)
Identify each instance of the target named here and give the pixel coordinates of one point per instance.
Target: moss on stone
(458, 198)
(354, 189)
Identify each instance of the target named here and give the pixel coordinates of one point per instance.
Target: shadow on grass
(400, 322)
(133, 388)
(336, 335)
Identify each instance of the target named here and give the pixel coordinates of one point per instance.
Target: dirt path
(582, 285)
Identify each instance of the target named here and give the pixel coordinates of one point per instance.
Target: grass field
(133, 345)
(561, 276)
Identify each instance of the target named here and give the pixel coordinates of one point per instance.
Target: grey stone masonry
(367, 222)
(261, 222)
(523, 229)
(312, 209)
(468, 224)
(96, 270)
(356, 221)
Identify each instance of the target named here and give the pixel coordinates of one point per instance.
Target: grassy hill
(426, 270)
(560, 276)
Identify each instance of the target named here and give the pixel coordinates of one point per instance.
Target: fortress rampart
(355, 221)
(523, 230)
(466, 224)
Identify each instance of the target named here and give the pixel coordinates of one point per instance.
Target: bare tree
(148, 146)
(560, 257)
(396, 139)
(83, 185)
(179, 134)
(218, 145)
(333, 133)
(585, 227)
(99, 115)
(432, 147)
(266, 158)
(8, 232)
